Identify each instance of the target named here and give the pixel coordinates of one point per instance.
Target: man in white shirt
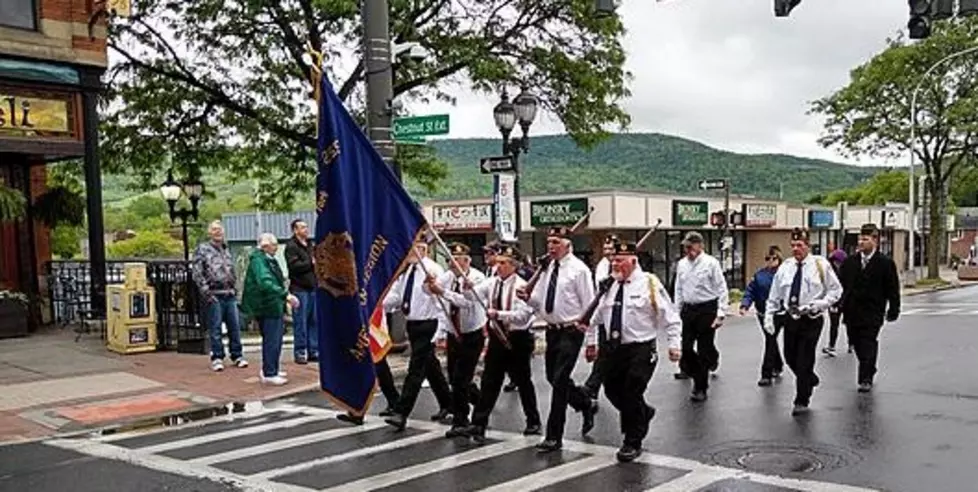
(465, 339)
(631, 314)
(702, 298)
(560, 297)
(514, 317)
(601, 272)
(802, 291)
(410, 295)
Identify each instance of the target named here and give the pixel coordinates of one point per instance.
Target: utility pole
(379, 76)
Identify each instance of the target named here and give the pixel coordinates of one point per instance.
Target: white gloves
(769, 324)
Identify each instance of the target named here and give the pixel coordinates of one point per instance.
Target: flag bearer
(465, 338)
(631, 314)
(803, 290)
(560, 297)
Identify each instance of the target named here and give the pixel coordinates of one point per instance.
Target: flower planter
(13, 318)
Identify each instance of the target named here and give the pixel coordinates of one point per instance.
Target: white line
(693, 480)
(251, 416)
(170, 465)
(906, 312)
(193, 441)
(553, 475)
(286, 443)
(448, 463)
(400, 443)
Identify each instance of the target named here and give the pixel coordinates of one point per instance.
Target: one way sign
(713, 184)
(491, 165)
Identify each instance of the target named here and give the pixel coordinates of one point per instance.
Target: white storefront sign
(760, 215)
(462, 217)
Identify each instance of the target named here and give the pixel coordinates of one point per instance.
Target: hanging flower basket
(13, 314)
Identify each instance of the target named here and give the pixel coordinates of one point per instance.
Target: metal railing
(177, 307)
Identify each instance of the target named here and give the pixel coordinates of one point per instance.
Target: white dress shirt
(701, 280)
(575, 290)
(640, 321)
(865, 258)
(471, 315)
(815, 294)
(514, 313)
(491, 271)
(602, 270)
(424, 306)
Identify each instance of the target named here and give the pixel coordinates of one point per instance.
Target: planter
(13, 319)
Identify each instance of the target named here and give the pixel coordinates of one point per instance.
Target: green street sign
(557, 212)
(410, 140)
(420, 126)
(685, 213)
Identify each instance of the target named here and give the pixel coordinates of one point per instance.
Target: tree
(146, 245)
(221, 83)
(887, 186)
(871, 115)
(66, 241)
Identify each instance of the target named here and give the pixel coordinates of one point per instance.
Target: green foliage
(147, 244)
(12, 204)
(66, 241)
(60, 205)
(887, 186)
(171, 89)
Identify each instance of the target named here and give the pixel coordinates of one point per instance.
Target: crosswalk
(932, 309)
(294, 448)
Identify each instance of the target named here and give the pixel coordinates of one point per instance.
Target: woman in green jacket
(264, 297)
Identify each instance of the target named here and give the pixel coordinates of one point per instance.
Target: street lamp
(171, 191)
(522, 110)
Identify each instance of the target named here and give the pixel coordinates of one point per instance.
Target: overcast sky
(727, 72)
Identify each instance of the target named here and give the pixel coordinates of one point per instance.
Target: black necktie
(616, 312)
(408, 291)
(499, 295)
(455, 312)
(552, 288)
(796, 286)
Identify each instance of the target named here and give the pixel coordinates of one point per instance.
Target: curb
(938, 289)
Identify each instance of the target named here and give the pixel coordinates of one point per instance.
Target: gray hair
(215, 224)
(267, 239)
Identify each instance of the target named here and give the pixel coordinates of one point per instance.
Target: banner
(504, 199)
(366, 225)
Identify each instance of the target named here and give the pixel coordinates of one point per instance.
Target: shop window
(19, 13)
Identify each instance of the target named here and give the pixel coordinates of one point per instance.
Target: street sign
(713, 184)
(420, 126)
(410, 140)
(492, 165)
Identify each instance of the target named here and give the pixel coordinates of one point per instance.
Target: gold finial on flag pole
(315, 61)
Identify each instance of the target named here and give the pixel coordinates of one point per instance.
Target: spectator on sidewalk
(264, 298)
(213, 273)
(302, 284)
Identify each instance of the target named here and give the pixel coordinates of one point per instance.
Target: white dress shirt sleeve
(678, 289)
(585, 290)
(537, 298)
(776, 296)
(519, 315)
(668, 319)
(392, 301)
(720, 287)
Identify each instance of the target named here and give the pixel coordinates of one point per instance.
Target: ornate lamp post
(522, 110)
(172, 191)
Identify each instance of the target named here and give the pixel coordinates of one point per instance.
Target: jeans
(306, 339)
(272, 330)
(223, 309)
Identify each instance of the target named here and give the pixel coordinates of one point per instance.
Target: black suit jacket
(867, 291)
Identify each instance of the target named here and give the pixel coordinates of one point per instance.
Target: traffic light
(783, 7)
(920, 19)
(718, 219)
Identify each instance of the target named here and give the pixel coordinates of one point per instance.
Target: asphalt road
(918, 431)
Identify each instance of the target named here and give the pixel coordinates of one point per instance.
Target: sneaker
(217, 365)
(240, 363)
(276, 380)
(283, 373)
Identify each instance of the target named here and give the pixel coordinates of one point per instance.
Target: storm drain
(780, 458)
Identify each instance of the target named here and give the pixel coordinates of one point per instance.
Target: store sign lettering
(463, 217)
(24, 116)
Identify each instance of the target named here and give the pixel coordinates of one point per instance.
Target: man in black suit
(871, 288)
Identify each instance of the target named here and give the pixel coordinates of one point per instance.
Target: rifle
(544, 261)
(605, 284)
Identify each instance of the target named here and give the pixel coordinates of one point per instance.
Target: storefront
(545, 214)
(694, 215)
(469, 224)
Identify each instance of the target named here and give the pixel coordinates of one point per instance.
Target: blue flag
(366, 225)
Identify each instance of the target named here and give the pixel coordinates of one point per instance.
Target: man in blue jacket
(757, 293)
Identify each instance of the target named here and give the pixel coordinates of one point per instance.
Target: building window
(19, 13)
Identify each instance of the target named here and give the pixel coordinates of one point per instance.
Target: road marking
(171, 465)
(553, 475)
(220, 436)
(245, 417)
(693, 480)
(286, 443)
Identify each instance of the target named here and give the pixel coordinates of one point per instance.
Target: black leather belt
(562, 326)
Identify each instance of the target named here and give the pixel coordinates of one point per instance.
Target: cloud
(727, 72)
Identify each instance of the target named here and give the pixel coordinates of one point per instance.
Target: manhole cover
(780, 458)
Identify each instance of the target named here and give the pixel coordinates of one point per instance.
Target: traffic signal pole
(379, 76)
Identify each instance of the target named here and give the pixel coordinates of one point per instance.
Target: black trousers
(772, 363)
(594, 380)
(422, 365)
(800, 343)
(865, 341)
(628, 370)
(700, 355)
(515, 362)
(385, 379)
(463, 357)
(563, 349)
(834, 319)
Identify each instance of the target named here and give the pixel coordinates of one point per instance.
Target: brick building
(51, 64)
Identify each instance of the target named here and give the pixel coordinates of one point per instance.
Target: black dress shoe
(628, 453)
(588, 418)
(388, 412)
(510, 387)
(441, 415)
(398, 422)
(350, 419)
(477, 433)
(698, 396)
(798, 410)
(549, 445)
(457, 431)
(764, 382)
(865, 387)
(532, 430)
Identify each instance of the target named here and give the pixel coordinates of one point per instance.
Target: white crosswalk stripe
(303, 449)
(938, 311)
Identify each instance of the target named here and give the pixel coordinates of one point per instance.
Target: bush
(146, 245)
(736, 295)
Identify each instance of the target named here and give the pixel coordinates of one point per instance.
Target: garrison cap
(799, 234)
(625, 248)
(459, 249)
(561, 232)
(509, 251)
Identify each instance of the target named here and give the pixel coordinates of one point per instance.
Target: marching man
(803, 290)
(602, 271)
(632, 313)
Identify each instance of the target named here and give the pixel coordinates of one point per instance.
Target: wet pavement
(918, 431)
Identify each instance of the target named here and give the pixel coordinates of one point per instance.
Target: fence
(177, 309)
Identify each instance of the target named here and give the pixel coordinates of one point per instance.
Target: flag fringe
(346, 407)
